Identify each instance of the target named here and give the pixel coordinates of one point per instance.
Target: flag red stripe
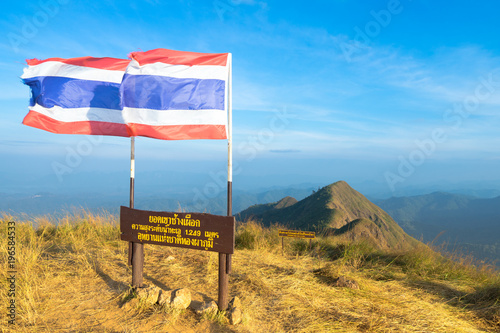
(101, 63)
(180, 132)
(38, 120)
(179, 57)
(177, 132)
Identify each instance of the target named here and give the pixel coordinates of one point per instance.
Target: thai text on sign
(190, 230)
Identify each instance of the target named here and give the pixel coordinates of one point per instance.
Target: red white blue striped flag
(76, 96)
(162, 94)
(176, 95)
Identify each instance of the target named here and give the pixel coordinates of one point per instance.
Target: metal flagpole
(132, 176)
(230, 150)
(225, 259)
(135, 250)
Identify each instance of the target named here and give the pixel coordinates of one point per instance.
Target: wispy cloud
(285, 151)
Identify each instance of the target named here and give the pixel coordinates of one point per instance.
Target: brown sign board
(198, 231)
(296, 233)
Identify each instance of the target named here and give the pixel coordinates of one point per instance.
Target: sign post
(294, 234)
(198, 231)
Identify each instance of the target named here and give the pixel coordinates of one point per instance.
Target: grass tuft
(254, 236)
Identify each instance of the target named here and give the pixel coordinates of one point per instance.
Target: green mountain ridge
(334, 209)
(463, 218)
(460, 223)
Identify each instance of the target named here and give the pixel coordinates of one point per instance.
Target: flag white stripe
(80, 114)
(135, 115)
(174, 117)
(179, 71)
(60, 69)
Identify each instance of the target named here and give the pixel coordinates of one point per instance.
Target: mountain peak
(340, 184)
(285, 202)
(336, 208)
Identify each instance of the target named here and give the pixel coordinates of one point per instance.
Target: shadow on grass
(157, 282)
(445, 292)
(324, 279)
(484, 302)
(214, 327)
(117, 286)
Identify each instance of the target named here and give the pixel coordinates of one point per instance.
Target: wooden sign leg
(223, 282)
(137, 264)
(130, 249)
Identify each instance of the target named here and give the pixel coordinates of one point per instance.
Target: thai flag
(176, 95)
(162, 94)
(76, 96)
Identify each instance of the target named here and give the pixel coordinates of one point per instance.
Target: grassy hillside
(73, 277)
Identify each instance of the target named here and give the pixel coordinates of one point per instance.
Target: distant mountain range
(41, 203)
(334, 209)
(464, 223)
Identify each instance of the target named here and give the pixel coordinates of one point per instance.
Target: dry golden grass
(73, 277)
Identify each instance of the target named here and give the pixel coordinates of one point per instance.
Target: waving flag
(162, 94)
(176, 95)
(76, 96)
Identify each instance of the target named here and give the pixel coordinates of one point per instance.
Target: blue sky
(400, 93)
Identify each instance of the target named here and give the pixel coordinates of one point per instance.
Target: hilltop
(335, 209)
(73, 277)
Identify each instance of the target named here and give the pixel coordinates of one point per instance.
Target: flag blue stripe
(50, 91)
(138, 91)
(167, 93)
